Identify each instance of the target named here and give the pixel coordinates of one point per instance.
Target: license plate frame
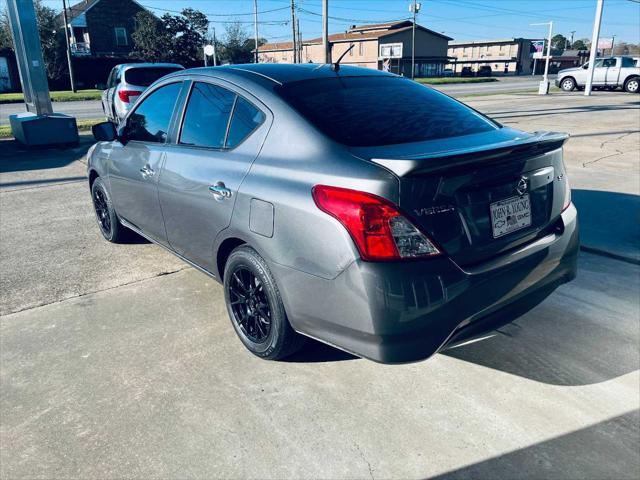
(510, 215)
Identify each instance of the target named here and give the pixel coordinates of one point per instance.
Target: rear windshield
(375, 111)
(143, 77)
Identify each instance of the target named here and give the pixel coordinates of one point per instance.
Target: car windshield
(144, 77)
(375, 111)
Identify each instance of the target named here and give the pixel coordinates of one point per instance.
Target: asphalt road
(119, 360)
(93, 109)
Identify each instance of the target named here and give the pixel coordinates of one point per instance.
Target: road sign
(538, 48)
(209, 50)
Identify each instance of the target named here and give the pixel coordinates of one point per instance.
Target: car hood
(569, 70)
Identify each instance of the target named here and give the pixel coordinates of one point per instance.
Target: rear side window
(207, 116)
(143, 77)
(375, 111)
(246, 119)
(628, 62)
(149, 122)
(217, 118)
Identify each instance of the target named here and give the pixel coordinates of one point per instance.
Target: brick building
(373, 45)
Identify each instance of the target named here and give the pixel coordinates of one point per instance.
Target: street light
(543, 88)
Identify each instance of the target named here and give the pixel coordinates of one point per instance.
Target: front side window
(150, 120)
(207, 116)
(381, 110)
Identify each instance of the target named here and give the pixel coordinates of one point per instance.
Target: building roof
(356, 33)
(79, 8)
(485, 42)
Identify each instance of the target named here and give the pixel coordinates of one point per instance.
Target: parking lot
(119, 360)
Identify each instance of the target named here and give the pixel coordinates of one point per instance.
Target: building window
(351, 50)
(361, 48)
(121, 36)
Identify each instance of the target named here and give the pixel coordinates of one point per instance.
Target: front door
(221, 135)
(135, 165)
(599, 73)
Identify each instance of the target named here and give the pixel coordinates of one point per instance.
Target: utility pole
(325, 31)
(573, 32)
(66, 37)
(215, 49)
(255, 29)
(414, 8)
(594, 46)
(299, 40)
(293, 30)
(613, 39)
(543, 88)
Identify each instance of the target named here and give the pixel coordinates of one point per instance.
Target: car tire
(568, 84)
(255, 306)
(632, 85)
(108, 223)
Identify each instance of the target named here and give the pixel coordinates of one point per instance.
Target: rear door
(613, 71)
(221, 134)
(135, 166)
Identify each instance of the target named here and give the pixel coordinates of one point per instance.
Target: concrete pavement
(118, 361)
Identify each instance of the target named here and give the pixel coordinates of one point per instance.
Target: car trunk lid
(479, 195)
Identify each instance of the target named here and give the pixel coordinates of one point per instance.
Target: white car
(611, 73)
(125, 84)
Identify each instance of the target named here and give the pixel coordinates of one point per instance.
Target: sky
(459, 19)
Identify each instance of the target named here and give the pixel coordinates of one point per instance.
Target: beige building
(373, 47)
(507, 55)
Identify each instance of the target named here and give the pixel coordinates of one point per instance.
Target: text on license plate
(510, 214)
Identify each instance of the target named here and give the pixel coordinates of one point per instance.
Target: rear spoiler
(538, 144)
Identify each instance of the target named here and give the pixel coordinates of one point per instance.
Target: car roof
(283, 73)
(127, 66)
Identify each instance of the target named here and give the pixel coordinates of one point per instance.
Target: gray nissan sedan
(348, 205)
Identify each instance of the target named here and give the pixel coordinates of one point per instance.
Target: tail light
(377, 227)
(126, 94)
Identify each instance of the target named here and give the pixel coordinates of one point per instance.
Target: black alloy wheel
(250, 305)
(255, 306)
(102, 211)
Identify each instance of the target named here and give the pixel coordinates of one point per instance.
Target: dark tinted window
(245, 120)
(150, 120)
(205, 122)
(628, 62)
(143, 77)
(372, 111)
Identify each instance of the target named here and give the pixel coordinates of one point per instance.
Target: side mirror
(104, 132)
(585, 66)
(101, 86)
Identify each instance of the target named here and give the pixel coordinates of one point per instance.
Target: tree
(51, 39)
(171, 38)
(580, 45)
(558, 44)
(237, 46)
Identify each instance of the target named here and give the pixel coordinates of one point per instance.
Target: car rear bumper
(405, 312)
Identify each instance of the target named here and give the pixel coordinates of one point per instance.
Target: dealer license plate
(510, 214)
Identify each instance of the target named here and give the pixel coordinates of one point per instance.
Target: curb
(615, 256)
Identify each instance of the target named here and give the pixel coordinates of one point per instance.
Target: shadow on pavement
(607, 449)
(14, 158)
(317, 352)
(609, 222)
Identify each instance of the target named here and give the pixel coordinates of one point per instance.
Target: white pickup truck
(610, 73)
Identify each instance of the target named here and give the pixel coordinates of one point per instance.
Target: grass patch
(446, 80)
(83, 126)
(63, 96)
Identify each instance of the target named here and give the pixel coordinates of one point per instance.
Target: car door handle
(220, 191)
(147, 171)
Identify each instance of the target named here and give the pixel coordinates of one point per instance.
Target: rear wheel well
(92, 177)
(225, 249)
